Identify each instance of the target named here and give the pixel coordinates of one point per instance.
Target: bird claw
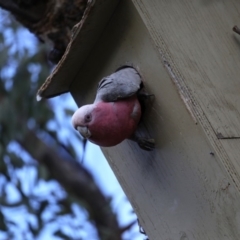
(146, 144)
(236, 29)
(144, 95)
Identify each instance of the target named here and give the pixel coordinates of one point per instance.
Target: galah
(116, 111)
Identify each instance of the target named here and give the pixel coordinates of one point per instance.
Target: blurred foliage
(32, 204)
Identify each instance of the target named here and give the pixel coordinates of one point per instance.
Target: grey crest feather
(123, 83)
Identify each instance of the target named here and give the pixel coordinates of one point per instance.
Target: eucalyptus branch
(78, 181)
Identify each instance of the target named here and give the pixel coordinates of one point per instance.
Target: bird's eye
(88, 117)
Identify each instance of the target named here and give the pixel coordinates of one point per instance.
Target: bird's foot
(236, 29)
(142, 95)
(147, 144)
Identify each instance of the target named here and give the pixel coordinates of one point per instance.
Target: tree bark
(15, 10)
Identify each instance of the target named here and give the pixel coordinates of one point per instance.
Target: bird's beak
(84, 131)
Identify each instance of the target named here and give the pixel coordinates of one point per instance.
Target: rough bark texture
(51, 21)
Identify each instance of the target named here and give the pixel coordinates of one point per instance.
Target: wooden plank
(187, 188)
(197, 42)
(85, 35)
(232, 147)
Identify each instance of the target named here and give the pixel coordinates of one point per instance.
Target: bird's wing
(123, 83)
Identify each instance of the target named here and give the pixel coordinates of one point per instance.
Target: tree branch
(15, 10)
(78, 181)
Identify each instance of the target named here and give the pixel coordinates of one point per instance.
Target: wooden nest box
(188, 187)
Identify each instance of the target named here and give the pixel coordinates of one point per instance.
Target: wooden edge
(84, 36)
(190, 100)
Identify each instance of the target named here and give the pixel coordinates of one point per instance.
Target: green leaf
(3, 226)
(16, 161)
(43, 173)
(69, 112)
(4, 170)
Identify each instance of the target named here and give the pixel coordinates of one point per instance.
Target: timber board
(187, 188)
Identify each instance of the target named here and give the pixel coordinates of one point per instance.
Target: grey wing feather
(121, 84)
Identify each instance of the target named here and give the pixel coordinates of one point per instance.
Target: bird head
(81, 120)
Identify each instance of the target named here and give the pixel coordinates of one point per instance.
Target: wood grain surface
(196, 39)
(188, 187)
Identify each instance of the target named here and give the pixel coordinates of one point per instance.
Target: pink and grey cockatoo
(116, 111)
